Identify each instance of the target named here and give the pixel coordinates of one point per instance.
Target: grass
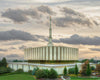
(26, 76)
(21, 76)
(75, 78)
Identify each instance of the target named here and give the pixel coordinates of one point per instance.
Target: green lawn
(17, 77)
(25, 76)
(73, 78)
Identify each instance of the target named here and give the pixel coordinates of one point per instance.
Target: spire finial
(50, 34)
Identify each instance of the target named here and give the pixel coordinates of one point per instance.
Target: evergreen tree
(53, 74)
(76, 70)
(88, 72)
(4, 62)
(65, 71)
(84, 68)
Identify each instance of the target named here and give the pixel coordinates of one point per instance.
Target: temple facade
(51, 52)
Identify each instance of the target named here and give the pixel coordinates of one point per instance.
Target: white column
(70, 53)
(62, 53)
(67, 53)
(58, 53)
(36, 53)
(54, 53)
(40, 52)
(50, 53)
(24, 54)
(32, 54)
(27, 54)
(43, 54)
(46, 53)
(77, 53)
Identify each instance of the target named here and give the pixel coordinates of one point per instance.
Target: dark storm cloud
(95, 49)
(14, 43)
(69, 11)
(4, 50)
(19, 35)
(22, 47)
(46, 9)
(72, 17)
(16, 35)
(12, 55)
(19, 15)
(76, 40)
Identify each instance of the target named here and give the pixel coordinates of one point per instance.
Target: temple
(51, 53)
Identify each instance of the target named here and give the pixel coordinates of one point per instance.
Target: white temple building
(46, 57)
(50, 52)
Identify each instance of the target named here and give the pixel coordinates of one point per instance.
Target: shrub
(30, 72)
(45, 73)
(3, 70)
(39, 74)
(76, 70)
(65, 71)
(9, 69)
(37, 69)
(19, 71)
(52, 74)
(71, 70)
(92, 68)
(34, 70)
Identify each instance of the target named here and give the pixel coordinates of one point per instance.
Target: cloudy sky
(25, 23)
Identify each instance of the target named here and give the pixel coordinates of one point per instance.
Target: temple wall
(51, 53)
(59, 67)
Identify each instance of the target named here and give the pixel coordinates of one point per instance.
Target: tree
(71, 71)
(4, 62)
(65, 71)
(84, 67)
(84, 60)
(88, 72)
(0, 64)
(98, 68)
(76, 69)
(53, 74)
(92, 60)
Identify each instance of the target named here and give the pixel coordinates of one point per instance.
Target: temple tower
(50, 34)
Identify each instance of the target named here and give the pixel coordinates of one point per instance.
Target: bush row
(45, 73)
(5, 70)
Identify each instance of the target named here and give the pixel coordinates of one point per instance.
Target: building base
(30, 66)
(52, 61)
